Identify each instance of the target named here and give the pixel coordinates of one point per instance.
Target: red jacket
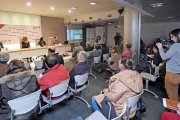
(127, 53)
(170, 116)
(54, 76)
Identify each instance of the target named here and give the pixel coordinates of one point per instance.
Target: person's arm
(169, 54)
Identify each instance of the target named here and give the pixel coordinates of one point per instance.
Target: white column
(132, 27)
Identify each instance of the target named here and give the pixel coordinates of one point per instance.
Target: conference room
(89, 60)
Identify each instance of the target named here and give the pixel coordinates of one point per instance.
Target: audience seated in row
(17, 82)
(123, 85)
(80, 68)
(127, 52)
(76, 50)
(96, 52)
(55, 74)
(88, 47)
(4, 58)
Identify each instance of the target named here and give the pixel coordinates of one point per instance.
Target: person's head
(50, 61)
(82, 56)
(24, 39)
(87, 43)
(155, 49)
(125, 63)
(51, 50)
(41, 39)
(103, 44)
(114, 49)
(55, 37)
(15, 66)
(175, 35)
(97, 46)
(77, 43)
(128, 46)
(4, 57)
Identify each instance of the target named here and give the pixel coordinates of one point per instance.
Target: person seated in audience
(149, 48)
(55, 40)
(4, 58)
(88, 47)
(80, 68)
(171, 115)
(127, 52)
(76, 50)
(113, 60)
(17, 82)
(104, 48)
(96, 52)
(123, 85)
(55, 74)
(66, 42)
(25, 43)
(41, 42)
(96, 43)
(59, 58)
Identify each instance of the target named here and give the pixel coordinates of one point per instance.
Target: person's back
(56, 74)
(17, 83)
(4, 58)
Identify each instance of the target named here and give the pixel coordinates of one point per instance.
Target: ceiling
(170, 11)
(42, 7)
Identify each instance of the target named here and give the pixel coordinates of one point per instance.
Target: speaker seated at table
(25, 43)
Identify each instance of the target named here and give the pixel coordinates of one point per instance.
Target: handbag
(142, 106)
(108, 109)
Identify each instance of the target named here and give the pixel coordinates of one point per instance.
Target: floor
(70, 109)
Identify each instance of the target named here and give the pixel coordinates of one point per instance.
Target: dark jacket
(13, 86)
(59, 58)
(79, 69)
(25, 45)
(157, 59)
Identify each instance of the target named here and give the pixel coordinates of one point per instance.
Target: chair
(57, 91)
(105, 57)
(80, 80)
(99, 116)
(132, 105)
(24, 104)
(149, 77)
(38, 64)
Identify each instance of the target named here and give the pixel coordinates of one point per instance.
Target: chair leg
(156, 96)
(12, 114)
(93, 75)
(147, 83)
(82, 99)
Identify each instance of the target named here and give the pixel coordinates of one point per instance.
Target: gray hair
(83, 55)
(4, 57)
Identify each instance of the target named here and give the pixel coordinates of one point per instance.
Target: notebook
(170, 104)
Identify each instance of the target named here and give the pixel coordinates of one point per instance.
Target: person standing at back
(117, 39)
(172, 78)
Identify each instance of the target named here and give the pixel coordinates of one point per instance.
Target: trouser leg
(95, 106)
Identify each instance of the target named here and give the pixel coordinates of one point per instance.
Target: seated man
(80, 68)
(56, 74)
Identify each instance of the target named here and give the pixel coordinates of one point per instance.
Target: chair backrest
(132, 103)
(38, 64)
(81, 79)
(59, 89)
(25, 104)
(122, 113)
(105, 57)
(97, 59)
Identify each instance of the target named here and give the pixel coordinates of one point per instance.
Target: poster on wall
(11, 34)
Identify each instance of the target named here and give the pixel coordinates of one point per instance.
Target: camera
(166, 43)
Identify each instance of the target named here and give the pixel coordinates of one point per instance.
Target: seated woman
(76, 50)
(25, 43)
(171, 115)
(41, 42)
(56, 74)
(127, 52)
(17, 83)
(123, 85)
(88, 47)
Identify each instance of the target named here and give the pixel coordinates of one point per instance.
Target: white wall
(111, 32)
(154, 30)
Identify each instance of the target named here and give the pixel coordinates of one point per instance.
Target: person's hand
(159, 45)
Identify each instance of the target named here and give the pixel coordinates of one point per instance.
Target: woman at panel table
(25, 43)
(41, 42)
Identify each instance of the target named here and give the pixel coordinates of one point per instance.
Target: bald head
(82, 56)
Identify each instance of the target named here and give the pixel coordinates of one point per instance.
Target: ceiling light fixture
(52, 8)
(69, 11)
(92, 3)
(28, 4)
(73, 8)
(156, 4)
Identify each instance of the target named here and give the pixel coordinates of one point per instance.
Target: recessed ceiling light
(69, 11)
(170, 17)
(92, 3)
(52, 8)
(28, 4)
(73, 8)
(156, 4)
